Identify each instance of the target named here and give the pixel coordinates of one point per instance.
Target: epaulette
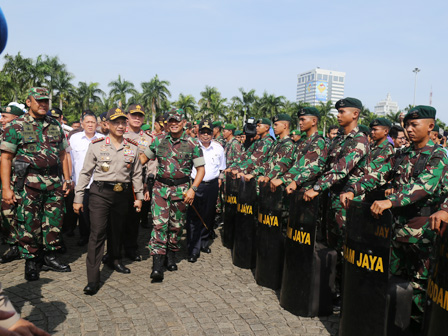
(132, 141)
(98, 140)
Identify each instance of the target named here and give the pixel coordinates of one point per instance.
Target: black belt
(53, 170)
(210, 182)
(173, 182)
(115, 186)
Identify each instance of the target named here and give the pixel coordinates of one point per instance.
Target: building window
(319, 76)
(341, 79)
(325, 77)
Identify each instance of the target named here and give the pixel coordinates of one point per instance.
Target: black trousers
(130, 234)
(108, 213)
(205, 203)
(84, 217)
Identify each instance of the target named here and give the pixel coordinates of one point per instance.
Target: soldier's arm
(287, 155)
(149, 153)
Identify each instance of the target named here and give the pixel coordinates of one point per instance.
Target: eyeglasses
(205, 132)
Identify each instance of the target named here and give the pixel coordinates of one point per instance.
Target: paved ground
(210, 297)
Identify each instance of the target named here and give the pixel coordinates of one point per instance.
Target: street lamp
(416, 71)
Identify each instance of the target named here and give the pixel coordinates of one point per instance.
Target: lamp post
(416, 71)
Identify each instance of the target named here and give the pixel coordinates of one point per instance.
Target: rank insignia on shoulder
(98, 140)
(132, 141)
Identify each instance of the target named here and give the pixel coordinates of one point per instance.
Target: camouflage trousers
(169, 213)
(412, 248)
(8, 222)
(39, 220)
(336, 220)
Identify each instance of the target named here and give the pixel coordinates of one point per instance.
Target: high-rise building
(386, 106)
(319, 85)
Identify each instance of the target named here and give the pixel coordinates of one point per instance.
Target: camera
(250, 128)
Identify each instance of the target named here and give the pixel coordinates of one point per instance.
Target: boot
(157, 272)
(11, 254)
(171, 261)
(50, 263)
(31, 270)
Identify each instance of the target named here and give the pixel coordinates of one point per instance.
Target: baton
(197, 213)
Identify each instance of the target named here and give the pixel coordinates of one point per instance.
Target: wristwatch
(317, 188)
(194, 188)
(68, 181)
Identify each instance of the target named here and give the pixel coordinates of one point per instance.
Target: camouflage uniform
(176, 158)
(221, 140)
(40, 203)
(278, 160)
(254, 155)
(233, 151)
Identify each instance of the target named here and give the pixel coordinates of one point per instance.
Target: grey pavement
(209, 297)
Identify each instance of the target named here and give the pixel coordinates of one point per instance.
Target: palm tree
(270, 104)
(245, 102)
(88, 94)
(155, 92)
(394, 117)
(16, 76)
(207, 96)
(188, 104)
(366, 116)
(119, 89)
(51, 68)
(326, 116)
(62, 84)
(216, 109)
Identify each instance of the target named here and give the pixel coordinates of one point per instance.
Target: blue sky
(229, 44)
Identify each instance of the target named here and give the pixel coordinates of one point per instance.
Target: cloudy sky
(229, 44)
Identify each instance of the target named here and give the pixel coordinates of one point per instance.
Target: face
(39, 107)
(434, 137)
(400, 140)
(104, 127)
(346, 115)
(262, 129)
(136, 120)
(76, 125)
(226, 134)
(306, 122)
(117, 127)
(333, 133)
(89, 124)
(205, 136)
(379, 132)
(175, 126)
(157, 127)
(296, 137)
(215, 131)
(6, 119)
(418, 129)
(279, 127)
(243, 138)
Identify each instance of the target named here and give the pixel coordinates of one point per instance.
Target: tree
(394, 117)
(62, 84)
(366, 116)
(207, 97)
(119, 89)
(188, 104)
(326, 117)
(16, 78)
(88, 94)
(244, 104)
(270, 105)
(155, 92)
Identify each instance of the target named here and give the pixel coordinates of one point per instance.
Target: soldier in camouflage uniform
(38, 145)
(296, 135)
(9, 224)
(176, 154)
(217, 135)
(233, 146)
(415, 193)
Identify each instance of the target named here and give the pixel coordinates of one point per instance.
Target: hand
(345, 197)
(25, 328)
(439, 221)
(263, 179)
(378, 207)
(275, 183)
(189, 196)
(77, 208)
(219, 183)
(389, 191)
(138, 205)
(147, 195)
(291, 188)
(66, 187)
(235, 172)
(8, 196)
(309, 195)
(227, 170)
(248, 177)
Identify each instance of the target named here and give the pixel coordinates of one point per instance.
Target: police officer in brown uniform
(117, 168)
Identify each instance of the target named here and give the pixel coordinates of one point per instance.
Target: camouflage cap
(14, 110)
(364, 129)
(420, 112)
(348, 102)
(39, 93)
(135, 108)
(217, 124)
(381, 122)
(295, 132)
(115, 113)
(264, 121)
(55, 113)
(230, 127)
(103, 116)
(238, 132)
(206, 123)
(282, 117)
(308, 111)
(176, 114)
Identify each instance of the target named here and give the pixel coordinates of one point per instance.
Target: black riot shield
(309, 267)
(437, 293)
(366, 272)
(230, 204)
(244, 242)
(270, 239)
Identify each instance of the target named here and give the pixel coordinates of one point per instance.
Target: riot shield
(270, 239)
(309, 267)
(230, 204)
(437, 293)
(244, 242)
(366, 272)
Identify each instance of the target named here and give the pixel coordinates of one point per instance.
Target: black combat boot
(32, 270)
(10, 254)
(50, 263)
(157, 272)
(171, 261)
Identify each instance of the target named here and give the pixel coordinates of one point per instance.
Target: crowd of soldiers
(129, 174)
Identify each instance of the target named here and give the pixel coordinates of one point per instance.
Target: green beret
(217, 124)
(364, 129)
(295, 132)
(309, 111)
(381, 122)
(230, 127)
(145, 127)
(436, 128)
(348, 102)
(282, 117)
(196, 122)
(238, 132)
(420, 112)
(14, 110)
(303, 134)
(264, 121)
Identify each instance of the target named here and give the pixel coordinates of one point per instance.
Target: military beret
(135, 108)
(206, 123)
(196, 122)
(282, 117)
(217, 124)
(14, 110)
(115, 113)
(364, 129)
(436, 128)
(348, 102)
(238, 132)
(381, 122)
(39, 93)
(295, 132)
(54, 112)
(176, 114)
(145, 127)
(420, 112)
(230, 127)
(309, 111)
(264, 121)
(103, 116)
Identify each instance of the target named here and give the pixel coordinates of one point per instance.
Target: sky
(232, 44)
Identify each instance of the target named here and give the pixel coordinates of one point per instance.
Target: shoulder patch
(132, 141)
(98, 140)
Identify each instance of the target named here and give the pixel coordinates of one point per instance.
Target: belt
(173, 182)
(115, 186)
(210, 181)
(53, 170)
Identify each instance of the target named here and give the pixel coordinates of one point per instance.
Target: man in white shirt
(198, 232)
(79, 143)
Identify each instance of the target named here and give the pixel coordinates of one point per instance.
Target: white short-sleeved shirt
(215, 161)
(79, 143)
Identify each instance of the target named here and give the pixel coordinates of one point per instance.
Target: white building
(319, 85)
(386, 106)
